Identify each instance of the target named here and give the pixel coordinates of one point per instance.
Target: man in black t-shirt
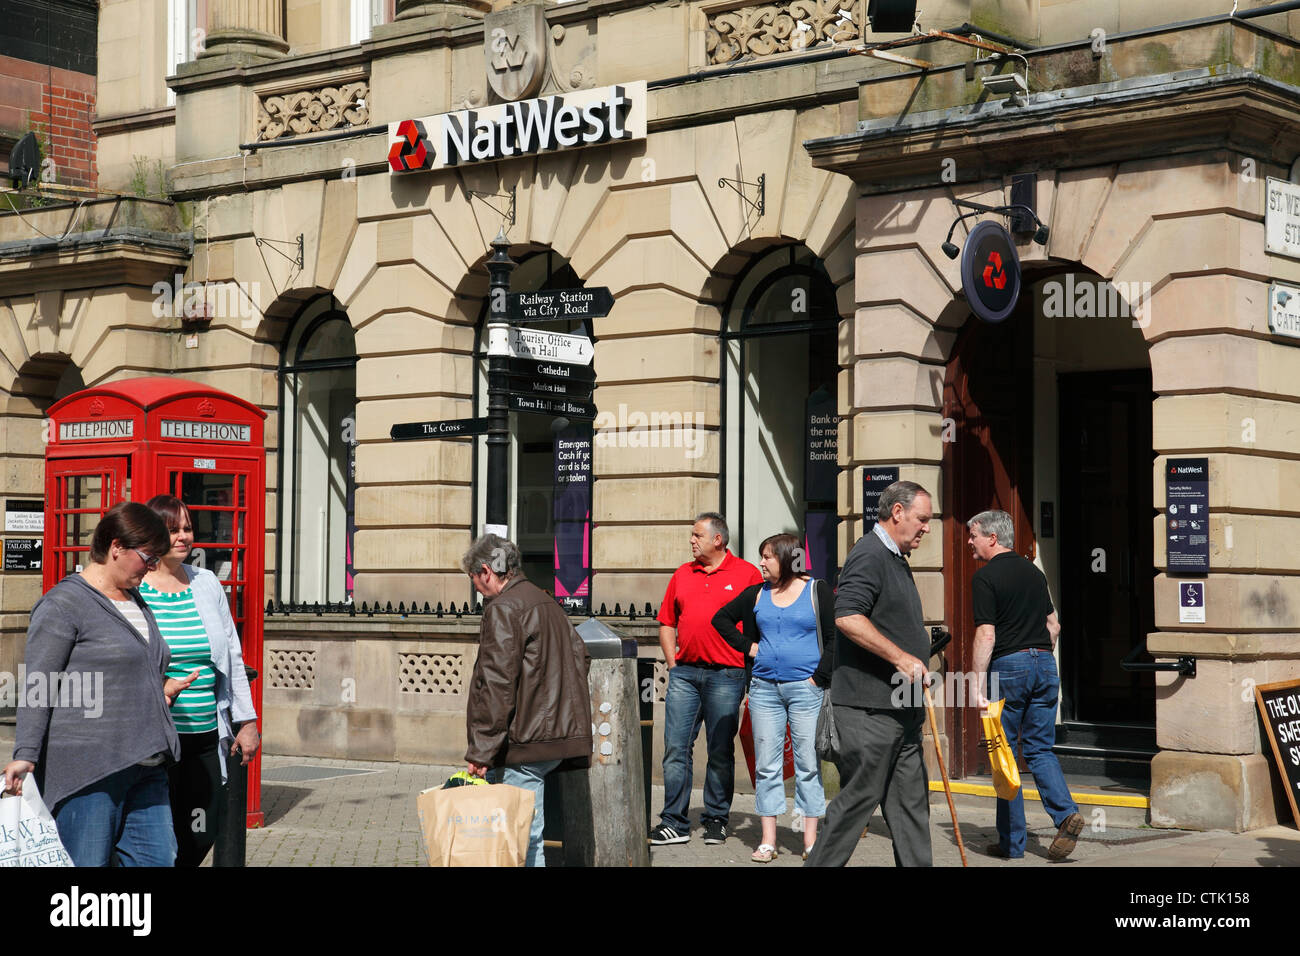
(1015, 635)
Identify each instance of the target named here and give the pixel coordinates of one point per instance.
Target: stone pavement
(366, 817)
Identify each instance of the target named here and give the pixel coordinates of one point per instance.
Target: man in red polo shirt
(706, 681)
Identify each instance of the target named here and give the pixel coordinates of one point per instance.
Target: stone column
(251, 28)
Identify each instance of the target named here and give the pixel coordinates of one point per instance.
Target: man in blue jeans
(529, 706)
(1015, 635)
(706, 681)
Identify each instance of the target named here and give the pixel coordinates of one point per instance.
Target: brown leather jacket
(528, 698)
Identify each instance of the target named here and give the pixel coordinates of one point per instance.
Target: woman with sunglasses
(193, 615)
(98, 746)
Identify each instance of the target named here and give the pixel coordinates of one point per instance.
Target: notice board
(1279, 706)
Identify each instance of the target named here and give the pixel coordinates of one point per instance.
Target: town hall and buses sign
(529, 127)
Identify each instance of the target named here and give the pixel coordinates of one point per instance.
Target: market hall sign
(205, 431)
(544, 125)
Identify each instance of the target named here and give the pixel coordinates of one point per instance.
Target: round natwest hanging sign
(990, 272)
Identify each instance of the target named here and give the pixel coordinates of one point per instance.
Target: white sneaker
(796, 820)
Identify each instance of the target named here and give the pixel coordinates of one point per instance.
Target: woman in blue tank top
(790, 670)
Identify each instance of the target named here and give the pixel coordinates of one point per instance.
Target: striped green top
(195, 710)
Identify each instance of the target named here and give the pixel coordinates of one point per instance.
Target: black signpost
(1187, 524)
(559, 305)
(454, 428)
(874, 482)
(1279, 707)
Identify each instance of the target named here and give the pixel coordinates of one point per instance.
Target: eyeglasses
(150, 560)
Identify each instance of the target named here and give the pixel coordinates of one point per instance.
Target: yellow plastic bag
(1002, 759)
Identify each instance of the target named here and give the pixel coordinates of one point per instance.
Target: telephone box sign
(97, 430)
(205, 431)
(543, 125)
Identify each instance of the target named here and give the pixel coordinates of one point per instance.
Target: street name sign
(567, 408)
(550, 346)
(454, 428)
(559, 305)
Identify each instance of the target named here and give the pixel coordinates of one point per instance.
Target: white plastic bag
(28, 836)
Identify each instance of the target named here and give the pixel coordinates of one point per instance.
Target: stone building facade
(773, 247)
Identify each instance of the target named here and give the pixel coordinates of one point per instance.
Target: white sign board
(1282, 218)
(542, 125)
(1191, 602)
(1284, 310)
(550, 346)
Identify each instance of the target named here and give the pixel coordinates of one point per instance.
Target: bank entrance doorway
(1049, 419)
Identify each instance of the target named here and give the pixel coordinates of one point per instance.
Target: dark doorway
(1107, 576)
(988, 463)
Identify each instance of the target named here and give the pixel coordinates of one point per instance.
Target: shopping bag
(827, 736)
(747, 745)
(475, 826)
(1002, 759)
(28, 836)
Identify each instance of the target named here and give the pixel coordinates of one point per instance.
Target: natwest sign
(543, 125)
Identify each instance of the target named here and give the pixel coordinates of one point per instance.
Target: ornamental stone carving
(312, 111)
(768, 29)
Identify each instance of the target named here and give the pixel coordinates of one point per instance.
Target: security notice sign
(1279, 708)
(1187, 521)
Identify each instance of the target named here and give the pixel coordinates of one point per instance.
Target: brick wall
(61, 103)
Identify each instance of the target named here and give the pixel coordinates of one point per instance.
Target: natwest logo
(994, 277)
(525, 128)
(412, 149)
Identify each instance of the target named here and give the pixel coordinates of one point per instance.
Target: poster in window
(821, 466)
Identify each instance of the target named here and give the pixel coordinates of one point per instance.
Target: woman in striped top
(193, 616)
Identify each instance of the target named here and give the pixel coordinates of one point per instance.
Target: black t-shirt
(1011, 594)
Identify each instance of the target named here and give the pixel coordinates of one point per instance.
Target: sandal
(808, 849)
(763, 854)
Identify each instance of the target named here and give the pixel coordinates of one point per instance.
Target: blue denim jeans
(531, 777)
(773, 705)
(123, 820)
(1028, 682)
(695, 694)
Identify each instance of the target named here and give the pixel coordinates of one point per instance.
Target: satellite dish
(25, 161)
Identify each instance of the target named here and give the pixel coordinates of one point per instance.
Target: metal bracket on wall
(296, 260)
(1185, 665)
(508, 215)
(738, 184)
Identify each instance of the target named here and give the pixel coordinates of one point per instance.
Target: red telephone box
(133, 439)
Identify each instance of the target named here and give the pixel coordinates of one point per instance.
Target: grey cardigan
(77, 631)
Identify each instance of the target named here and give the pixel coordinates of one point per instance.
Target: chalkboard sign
(1279, 706)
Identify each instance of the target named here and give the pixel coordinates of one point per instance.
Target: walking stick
(943, 769)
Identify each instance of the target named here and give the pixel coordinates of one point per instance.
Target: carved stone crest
(514, 45)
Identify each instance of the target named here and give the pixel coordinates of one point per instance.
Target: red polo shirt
(694, 595)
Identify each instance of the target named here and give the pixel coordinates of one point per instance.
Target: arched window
(779, 405)
(546, 526)
(318, 398)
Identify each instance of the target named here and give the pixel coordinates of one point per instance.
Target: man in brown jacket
(529, 707)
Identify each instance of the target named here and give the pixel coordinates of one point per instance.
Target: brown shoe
(1067, 834)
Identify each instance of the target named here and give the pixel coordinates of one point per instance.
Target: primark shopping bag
(28, 836)
(484, 825)
(1002, 759)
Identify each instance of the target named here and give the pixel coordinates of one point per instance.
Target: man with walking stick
(881, 642)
